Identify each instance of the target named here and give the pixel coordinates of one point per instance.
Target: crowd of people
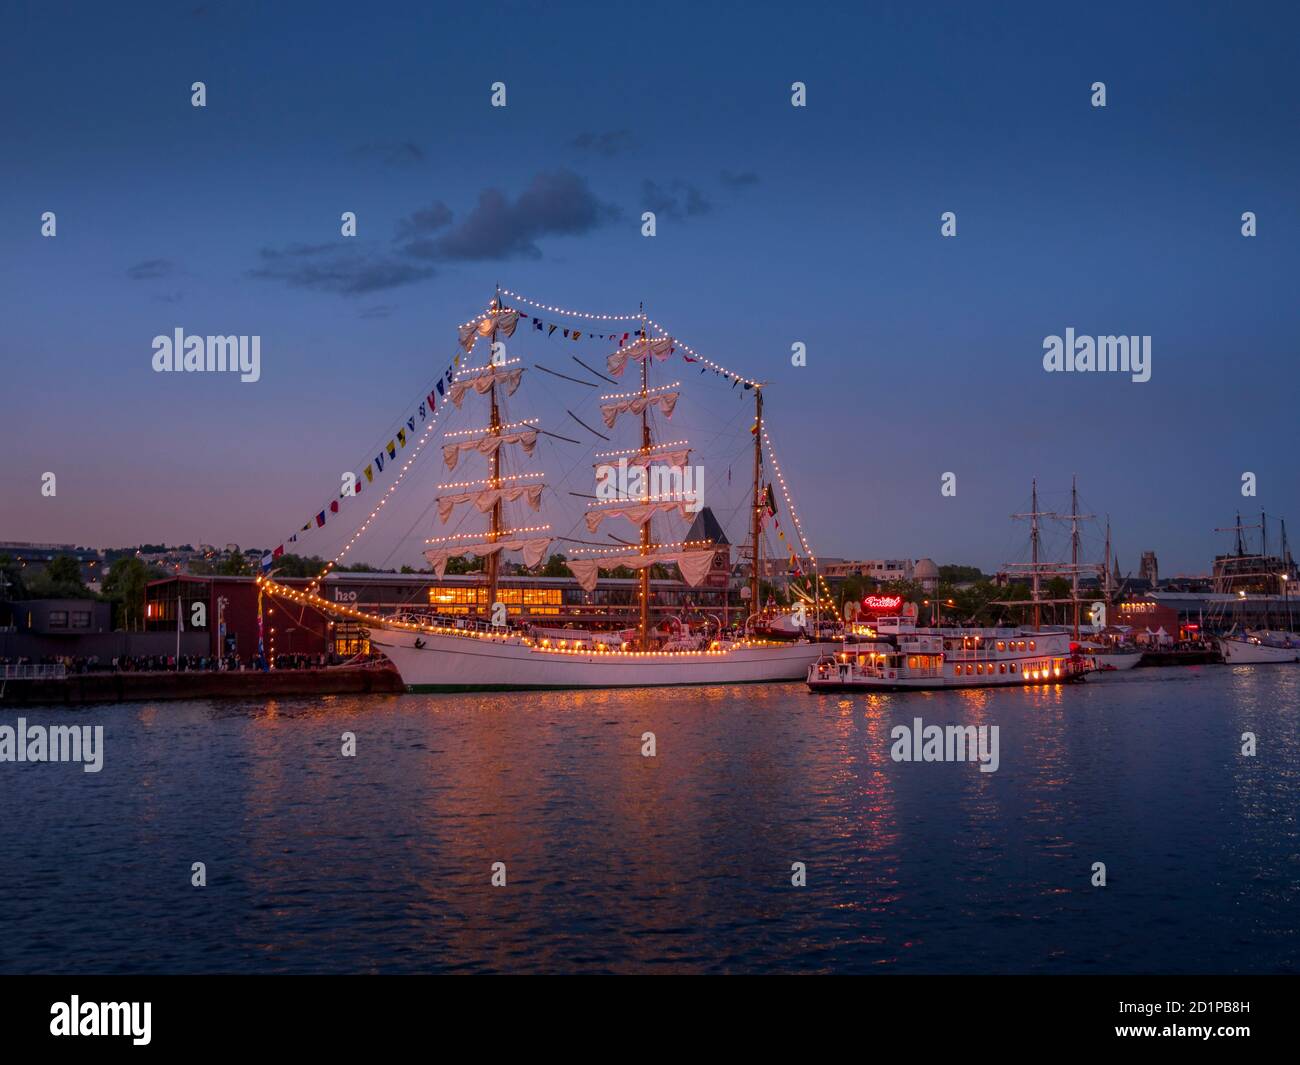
(169, 664)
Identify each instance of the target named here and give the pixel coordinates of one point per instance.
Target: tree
(235, 565)
(959, 574)
(65, 570)
(11, 579)
(61, 579)
(298, 566)
(556, 566)
(125, 587)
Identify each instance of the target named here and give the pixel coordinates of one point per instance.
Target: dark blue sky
(776, 225)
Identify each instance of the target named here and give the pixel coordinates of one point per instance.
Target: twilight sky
(775, 225)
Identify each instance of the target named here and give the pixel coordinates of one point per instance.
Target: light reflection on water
(677, 863)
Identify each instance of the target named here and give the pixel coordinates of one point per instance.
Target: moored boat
(1249, 649)
(904, 657)
(1111, 659)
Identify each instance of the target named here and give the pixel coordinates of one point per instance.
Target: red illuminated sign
(881, 604)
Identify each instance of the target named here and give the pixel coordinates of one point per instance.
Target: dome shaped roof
(925, 570)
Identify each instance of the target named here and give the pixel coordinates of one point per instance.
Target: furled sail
(671, 457)
(488, 326)
(533, 550)
(638, 512)
(693, 565)
(487, 497)
(489, 444)
(659, 348)
(666, 401)
(509, 379)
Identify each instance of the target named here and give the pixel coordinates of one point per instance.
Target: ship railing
(457, 624)
(33, 672)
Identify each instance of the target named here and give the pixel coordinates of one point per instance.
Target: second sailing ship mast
(644, 573)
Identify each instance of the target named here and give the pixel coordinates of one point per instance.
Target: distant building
(228, 615)
(1149, 569)
(884, 569)
(927, 572)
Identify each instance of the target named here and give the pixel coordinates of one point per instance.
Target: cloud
(151, 269)
(330, 268)
(382, 310)
(390, 153)
(738, 181)
(556, 204)
(610, 144)
(676, 200)
(424, 221)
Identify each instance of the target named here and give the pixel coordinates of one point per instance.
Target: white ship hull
(1245, 652)
(473, 662)
(1123, 660)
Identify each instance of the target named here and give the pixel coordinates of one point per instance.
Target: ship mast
(1074, 550)
(494, 529)
(756, 526)
(1033, 539)
(644, 573)
(489, 494)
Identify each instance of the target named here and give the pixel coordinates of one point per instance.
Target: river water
(317, 862)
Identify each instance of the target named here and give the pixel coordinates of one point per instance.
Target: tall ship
(643, 487)
(1266, 575)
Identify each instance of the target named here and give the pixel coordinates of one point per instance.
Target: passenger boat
(903, 657)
